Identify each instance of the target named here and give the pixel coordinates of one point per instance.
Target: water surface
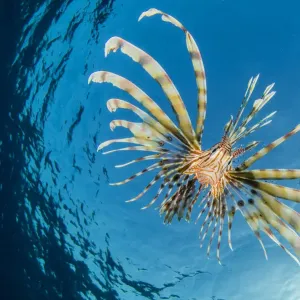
(70, 235)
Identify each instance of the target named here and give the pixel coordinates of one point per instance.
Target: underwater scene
(150, 150)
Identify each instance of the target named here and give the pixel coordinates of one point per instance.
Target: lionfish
(193, 174)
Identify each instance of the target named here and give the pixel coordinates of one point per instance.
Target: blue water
(67, 234)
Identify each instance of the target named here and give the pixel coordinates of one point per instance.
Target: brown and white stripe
(139, 95)
(197, 64)
(154, 69)
(251, 160)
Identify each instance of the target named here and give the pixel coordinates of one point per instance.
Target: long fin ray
(285, 231)
(265, 121)
(280, 209)
(140, 130)
(148, 169)
(257, 106)
(251, 160)
(155, 70)
(250, 218)
(133, 140)
(251, 85)
(143, 158)
(273, 189)
(163, 173)
(138, 148)
(139, 95)
(197, 64)
(269, 174)
(113, 104)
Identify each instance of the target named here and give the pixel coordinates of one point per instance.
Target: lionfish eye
(214, 150)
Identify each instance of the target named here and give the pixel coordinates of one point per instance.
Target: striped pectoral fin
(230, 216)
(186, 192)
(139, 148)
(177, 180)
(251, 160)
(221, 226)
(140, 130)
(170, 208)
(133, 140)
(271, 218)
(177, 203)
(251, 219)
(216, 221)
(188, 195)
(165, 17)
(148, 169)
(154, 69)
(270, 174)
(197, 64)
(208, 203)
(249, 213)
(113, 104)
(137, 129)
(160, 190)
(143, 158)
(264, 226)
(210, 215)
(200, 81)
(280, 209)
(139, 95)
(166, 183)
(210, 219)
(273, 189)
(166, 171)
(191, 205)
(150, 184)
(163, 133)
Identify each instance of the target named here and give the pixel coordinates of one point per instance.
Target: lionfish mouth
(187, 173)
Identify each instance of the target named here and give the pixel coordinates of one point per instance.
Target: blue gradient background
(127, 253)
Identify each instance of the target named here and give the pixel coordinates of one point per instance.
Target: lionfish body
(211, 166)
(187, 173)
